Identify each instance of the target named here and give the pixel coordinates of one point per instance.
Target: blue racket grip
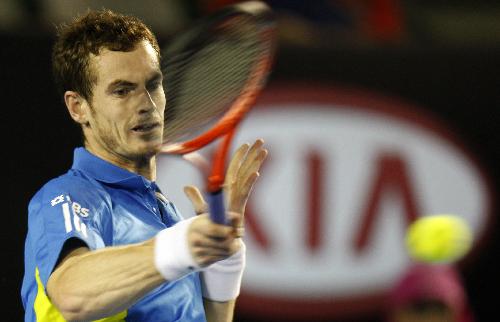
(216, 207)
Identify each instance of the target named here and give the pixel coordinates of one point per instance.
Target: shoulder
(72, 187)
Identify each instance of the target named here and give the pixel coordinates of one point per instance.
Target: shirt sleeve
(61, 211)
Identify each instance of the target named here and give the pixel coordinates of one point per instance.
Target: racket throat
(215, 180)
(215, 183)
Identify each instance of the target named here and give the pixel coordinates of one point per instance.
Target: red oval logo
(347, 173)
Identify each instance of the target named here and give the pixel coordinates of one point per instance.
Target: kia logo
(347, 172)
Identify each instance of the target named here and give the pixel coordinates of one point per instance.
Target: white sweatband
(221, 281)
(172, 256)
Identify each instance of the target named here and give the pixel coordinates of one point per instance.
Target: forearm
(101, 283)
(219, 311)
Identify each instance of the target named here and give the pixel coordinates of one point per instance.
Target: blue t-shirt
(102, 205)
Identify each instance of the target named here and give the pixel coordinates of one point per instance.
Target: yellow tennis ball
(438, 238)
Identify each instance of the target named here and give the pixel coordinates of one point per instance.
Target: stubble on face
(127, 107)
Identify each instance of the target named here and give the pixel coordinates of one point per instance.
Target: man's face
(125, 119)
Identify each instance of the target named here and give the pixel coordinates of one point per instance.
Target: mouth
(146, 127)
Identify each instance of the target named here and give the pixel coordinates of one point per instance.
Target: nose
(147, 103)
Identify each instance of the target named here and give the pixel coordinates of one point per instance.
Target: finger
(238, 201)
(253, 160)
(256, 146)
(235, 163)
(196, 198)
(205, 257)
(236, 219)
(236, 246)
(208, 254)
(249, 184)
(208, 229)
(254, 150)
(239, 232)
(212, 245)
(253, 165)
(206, 260)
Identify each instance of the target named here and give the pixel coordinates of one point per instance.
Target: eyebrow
(121, 82)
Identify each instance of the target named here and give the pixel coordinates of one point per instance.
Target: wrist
(172, 256)
(221, 281)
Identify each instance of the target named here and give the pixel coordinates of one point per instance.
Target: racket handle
(216, 207)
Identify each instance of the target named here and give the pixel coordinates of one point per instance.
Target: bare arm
(89, 285)
(219, 311)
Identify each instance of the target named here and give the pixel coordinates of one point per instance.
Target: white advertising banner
(347, 172)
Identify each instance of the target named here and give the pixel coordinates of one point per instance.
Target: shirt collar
(106, 172)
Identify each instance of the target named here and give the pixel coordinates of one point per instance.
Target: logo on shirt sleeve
(71, 211)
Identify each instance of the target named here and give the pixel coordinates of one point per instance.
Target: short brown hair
(88, 34)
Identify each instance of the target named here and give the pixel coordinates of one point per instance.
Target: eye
(123, 91)
(154, 85)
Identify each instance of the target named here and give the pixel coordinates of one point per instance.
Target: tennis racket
(213, 72)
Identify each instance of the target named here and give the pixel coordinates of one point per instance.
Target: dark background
(454, 75)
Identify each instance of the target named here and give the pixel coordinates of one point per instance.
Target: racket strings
(202, 83)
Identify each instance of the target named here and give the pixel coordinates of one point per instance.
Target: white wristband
(221, 281)
(172, 256)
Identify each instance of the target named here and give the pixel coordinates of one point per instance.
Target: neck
(144, 165)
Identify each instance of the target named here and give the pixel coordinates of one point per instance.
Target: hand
(210, 242)
(241, 175)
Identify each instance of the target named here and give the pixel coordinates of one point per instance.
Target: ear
(77, 107)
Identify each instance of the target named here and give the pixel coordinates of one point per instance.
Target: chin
(149, 150)
(144, 147)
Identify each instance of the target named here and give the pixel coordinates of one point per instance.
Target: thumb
(194, 195)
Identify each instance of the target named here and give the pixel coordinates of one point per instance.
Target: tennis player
(103, 242)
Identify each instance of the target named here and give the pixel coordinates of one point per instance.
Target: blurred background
(388, 111)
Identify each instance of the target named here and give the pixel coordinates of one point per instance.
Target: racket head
(213, 73)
